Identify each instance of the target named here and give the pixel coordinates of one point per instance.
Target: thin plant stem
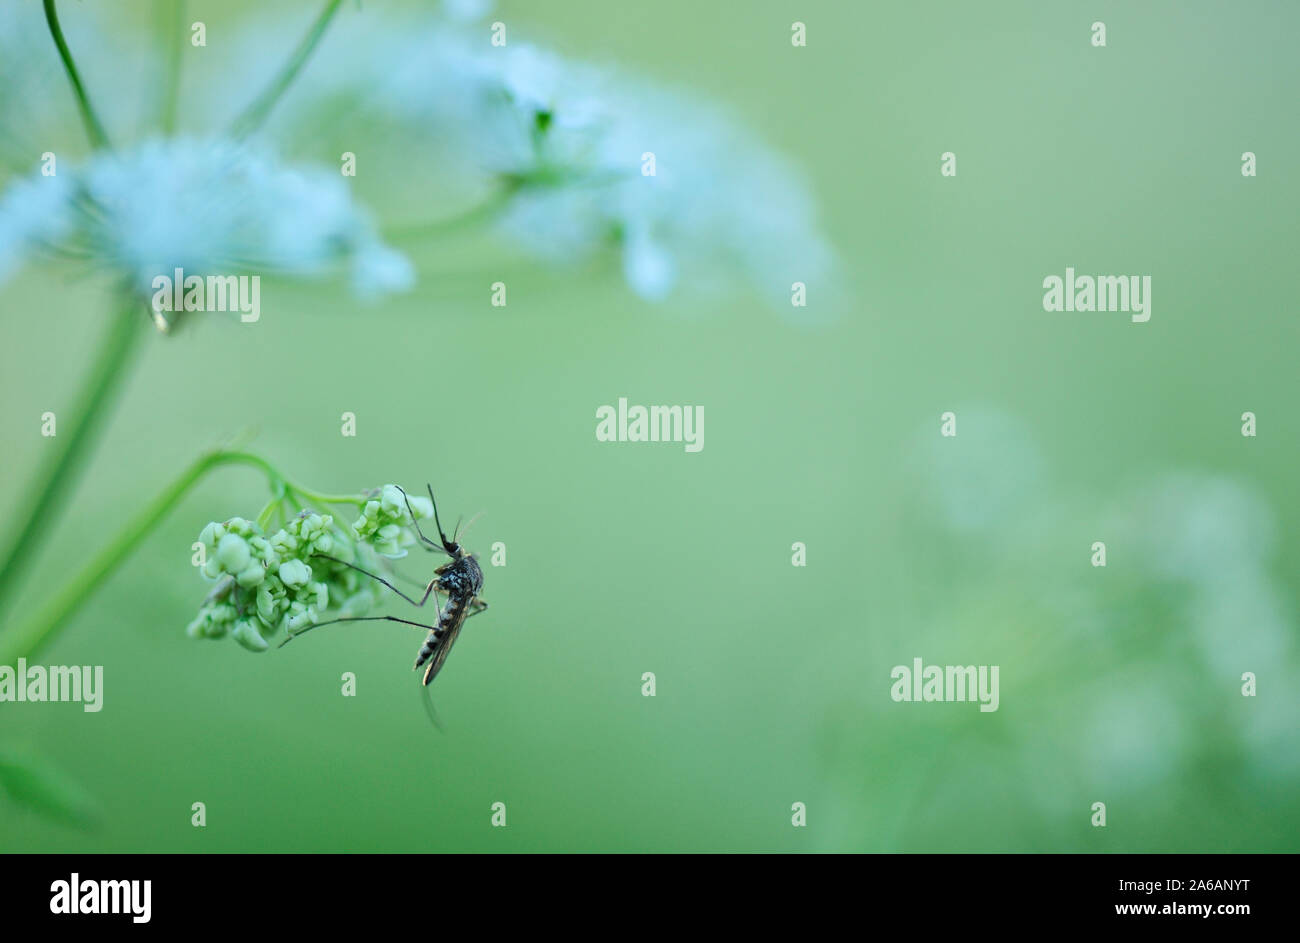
(171, 39)
(32, 635)
(475, 215)
(94, 130)
(71, 444)
(357, 500)
(252, 117)
(275, 504)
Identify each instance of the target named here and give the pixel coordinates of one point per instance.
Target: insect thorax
(462, 577)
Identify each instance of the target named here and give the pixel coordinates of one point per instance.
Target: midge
(460, 580)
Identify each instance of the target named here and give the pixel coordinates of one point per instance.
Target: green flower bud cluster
(268, 584)
(264, 583)
(385, 521)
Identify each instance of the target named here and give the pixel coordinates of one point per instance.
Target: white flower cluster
(385, 523)
(574, 142)
(205, 206)
(264, 583)
(593, 160)
(287, 581)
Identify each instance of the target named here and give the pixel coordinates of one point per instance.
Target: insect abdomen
(449, 616)
(427, 649)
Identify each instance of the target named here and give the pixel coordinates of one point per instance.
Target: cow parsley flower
(208, 204)
(685, 195)
(284, 582)
(35, 214)
(570, 145)
(204, 206)
(385, 521)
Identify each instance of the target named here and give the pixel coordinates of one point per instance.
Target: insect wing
(443, 650)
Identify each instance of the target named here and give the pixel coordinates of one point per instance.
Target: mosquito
(460, 580)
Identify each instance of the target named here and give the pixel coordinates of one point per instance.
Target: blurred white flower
(1204, 528)
(648, 266)
(685, 194)
(1134, 733)
(205, 206)
(34, 214)
(567, 140)
(986, 480)
(1216, 538)
(467, 10)
(1139, 654)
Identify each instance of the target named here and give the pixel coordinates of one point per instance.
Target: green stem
(253, 116)
(171, 36)
(31, 636)
(275, 504)
(481, 213)
(59, 474)
(357, 500)
(94, 130)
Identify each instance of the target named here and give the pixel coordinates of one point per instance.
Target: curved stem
(357, 500)
(474, 215)
(94, 130)
(511, 186)
(253, 116)
(275, 504)
(60, 471)
(480, 213)
(31, 636)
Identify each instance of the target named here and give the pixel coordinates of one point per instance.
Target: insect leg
(294, 635)
(428, 590)
(476, 606)
(431, 544)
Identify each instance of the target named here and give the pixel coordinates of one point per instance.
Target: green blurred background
(1118, 685)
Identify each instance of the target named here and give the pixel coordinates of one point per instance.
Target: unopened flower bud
(252, 575)
(233, 553)
(246, 634)
(294, 573)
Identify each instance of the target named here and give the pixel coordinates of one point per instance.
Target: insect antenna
(446, 544)
(470, 524)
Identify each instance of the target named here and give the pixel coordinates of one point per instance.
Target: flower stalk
(171, 39)
(28, 638)
(94, 129)
(59, 475)
(252, 117)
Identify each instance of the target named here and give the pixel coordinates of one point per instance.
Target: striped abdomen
(449, 618)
